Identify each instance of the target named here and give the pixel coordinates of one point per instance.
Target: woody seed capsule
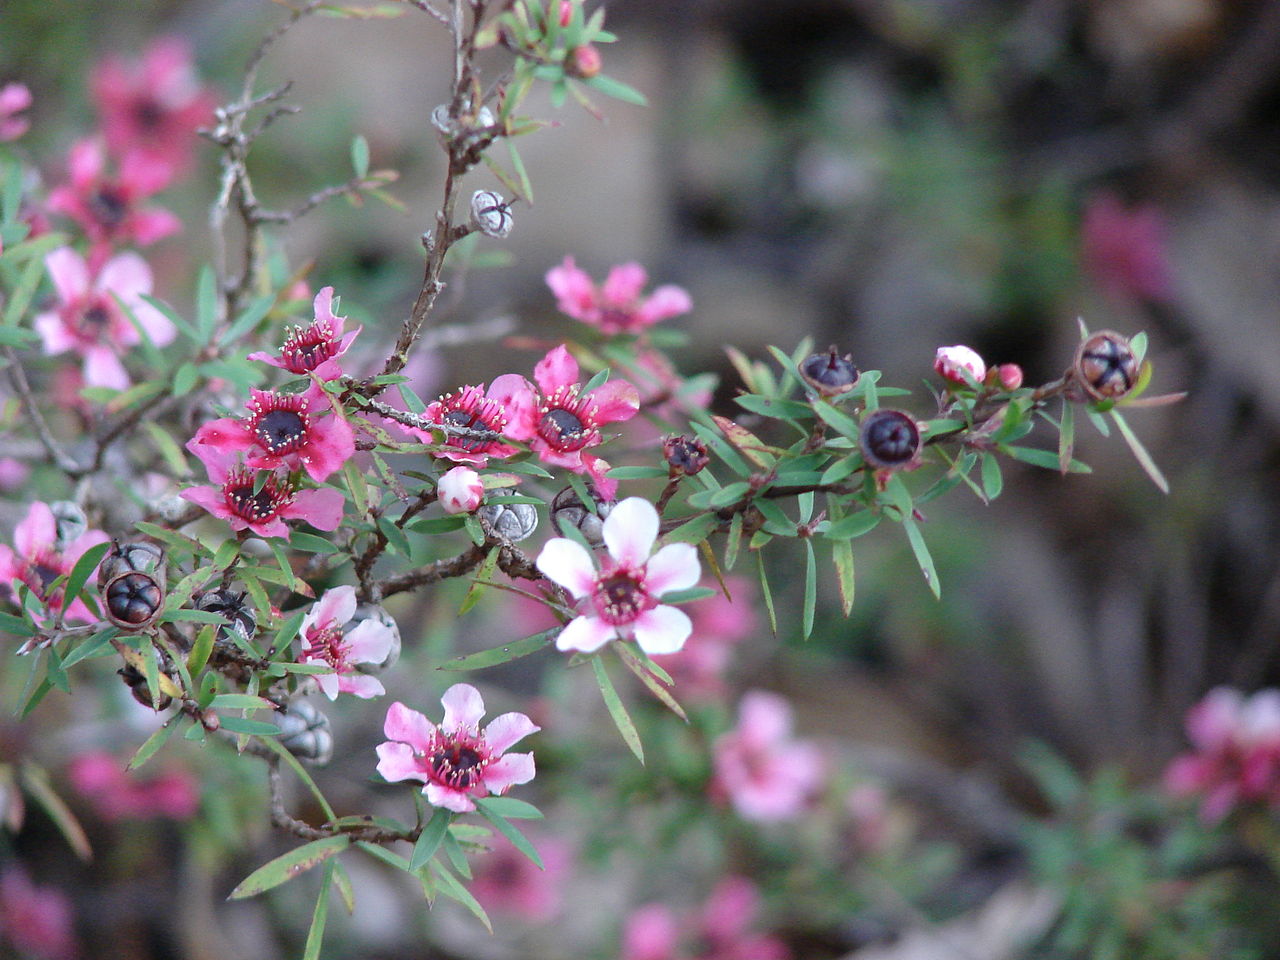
(490, 214)
(890, 440)
(1106, 366)
(829, 373)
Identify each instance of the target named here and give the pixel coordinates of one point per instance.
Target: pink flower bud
(566, 12)
(1010, 375)
(584, 62)
(460, 490)
(949, 361)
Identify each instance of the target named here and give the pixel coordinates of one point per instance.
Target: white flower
(325, 639)
(622, 598)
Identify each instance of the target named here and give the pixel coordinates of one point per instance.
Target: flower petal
(336, 605)
(409, 727)
(463, 707)
(567, 563)
(369, 641)
(332, 443)
(587, 634)
(126, 274)
(321, 508)
(361, 685)
(508, 771)
(665, 302)
(556, 369)
(397, 762)
(575, 293)
(662, 630)
(102, 368)
(621, 288)
(629, 531)
(37, 531)
(508, 729)
(674, 567)
(328, 683)
(614, 401)
(55, 335)
(439, 795)
(69, 273)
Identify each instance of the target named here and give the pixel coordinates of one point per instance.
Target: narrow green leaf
(622, 720)
(1042, 458)
(23, 292)
(632, 662)
(841, 422)
(154, 743)
(484, 576)
(16, 625)
(36, 783)
(300, 771)
(396, 539)
(504, 827)
(430, 838)
(249, 318)
(87, 563)
(309, 543)
(315, 933)
(992, 481)
(255, 728)
(842, 559)
(503, 654)
(287, 866)
(453, 850)
(184, 378)
(200, 649)
(513, 809)
(386, 856)
(810, 588)
(241, 701)
(94, 646)
(451, 888)
(360, 156)
(923, 558)
(357, 485)
(617, 89)
(637, 473)
(343, 880)
(1066, 435)
(206, 306)
(733, 542)
(854, 525)
(177, 320)
(694, 530)
(517, 164)
(1140, 452)
(766, 594)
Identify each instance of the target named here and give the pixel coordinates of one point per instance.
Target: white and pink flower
(456, 760)
(765, 774)
(237, 497)
(295, 430)
(616, 306)
(37, 560)
(89, 320)
(327, 638)
(560, 422)
(316, 347)
(460, 490)
(622, 599)
(952, 363)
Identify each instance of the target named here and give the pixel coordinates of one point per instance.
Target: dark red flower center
(305, 348)
(470, 410)
(617, 319)
(325, 643)
(94, 321)
(253, 503)
(458, 760)
(567, 421)
(281, 431)
(620, 597)
(148, 113)
(109, 206)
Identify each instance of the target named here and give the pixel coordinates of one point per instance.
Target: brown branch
(433, 572)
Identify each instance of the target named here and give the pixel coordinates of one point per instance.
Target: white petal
(587, 634)
(674, 567)
(568, 564)
(629, 531)
(662, 630)
(463, 707)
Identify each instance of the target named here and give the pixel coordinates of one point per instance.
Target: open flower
(766, 774)
(238, 498)
(561, 422)
(316, 347)
(109, 209)
(1124, 249)
(89, 319)
(325, 639)
(154, 106)
(119, 794)
(509, 399)
(456, 760)
(14, 98)
(506, 881)
(719, 624)
(622, 599)
(37, 922)
(37, 558)
(282, 429)
(616, 306)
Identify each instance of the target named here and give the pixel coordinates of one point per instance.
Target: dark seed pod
(376, 612)
(685, 455)
(1106, 366)
(70, 522)
(138, 556)
(890, 440)
(829, 373)
(510, 521)
(567, 506)
(306, 733)
(231, 606)
(137, 684)
(133, 600)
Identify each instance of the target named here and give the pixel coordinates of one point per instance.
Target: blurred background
(889, 176)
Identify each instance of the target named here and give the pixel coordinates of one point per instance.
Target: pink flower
(509, 399)
(108, 209)
(507, 881)
(726, 918)
(950, 361)
(282, 429)
(1237, 752)
(13, 474)
(616, 306)
(315, 347)
(325, 639)
(623, 597)
(766, 775)
(120, 795)
(457, 759)
(561, 422)
(37, 559)
(36, 921)
(154, 106)
(1124, 248)
(14, 98)
(237, 498)
(719, 623)
(460, 490)
(88, 319)
(650, 933)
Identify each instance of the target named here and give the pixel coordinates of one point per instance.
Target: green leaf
(309, 543)
(694, 530)
(923, 558)
(1140, 452)
(200, 649)
(518, 839)
(36, 783)
(503, 654)
(637, 473)
(513, 809)
(395, 537)
(854, 525)
(767, 594)
(360, 156)
(315, 933)
(254, 728)
(1042, 458)
(775, 407)
(292, 864)
(430, 838)
(810, 589)
(517, 164)
(383, 854)
(177, 320)
(841, 422)
(842, 558)
(94, 646)
(83, 567)
(206, 306)
(154, 743)
(23, 292)
(241, 701)
(484, 576)
(617, 89)
(451, 888)
(992, 482)
(358, 486)
(249, 318)
(622, 720)
(631, 660)
(1066, 435)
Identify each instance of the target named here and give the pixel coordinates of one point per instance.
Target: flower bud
(950, 361)
(490, 214)
(70, 522)
(583, 62)
(460, 490)
(510, 521)
(890, 440)
(378, 613)
(305, 732)
(1009, 376)
(567, 506)
(829, 373)
(566, 12)
(138, 555)
(1106, 366)
(133, 600)
(685, 455)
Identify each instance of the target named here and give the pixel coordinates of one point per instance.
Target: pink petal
(623, 285)
(225, 436)
(337, 605)
(587, 634)
(84, 164)
(369, 642)
(596, 468)
(332, 444)
(568, 564)
(396, 762)
(37, 531)
(630, 530)
(439, 795)
(69, 273)
(158, 327)
(328, 683)
(263, 357)
(321, 508)
(519, 402)
(154, 223)
(56, 335)
(126, 274)
(361, 685)
(210, 498)
(272, 528)
(662, 630)
(463, 707)
(664, 303)
(574, 291)
(614, 401)
(323, 308)
(142, 174)
(508, 771)
(508, 729)
(764, 718)
(674, 567)
(409, 727)
(556, 369)
(102, 368)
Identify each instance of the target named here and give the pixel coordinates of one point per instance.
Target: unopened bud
(1009, 376)
(566, 12)
(951, 361)
(890, 440)
(685, 455)
(829, 373)
(584, 62)
(490, 214)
